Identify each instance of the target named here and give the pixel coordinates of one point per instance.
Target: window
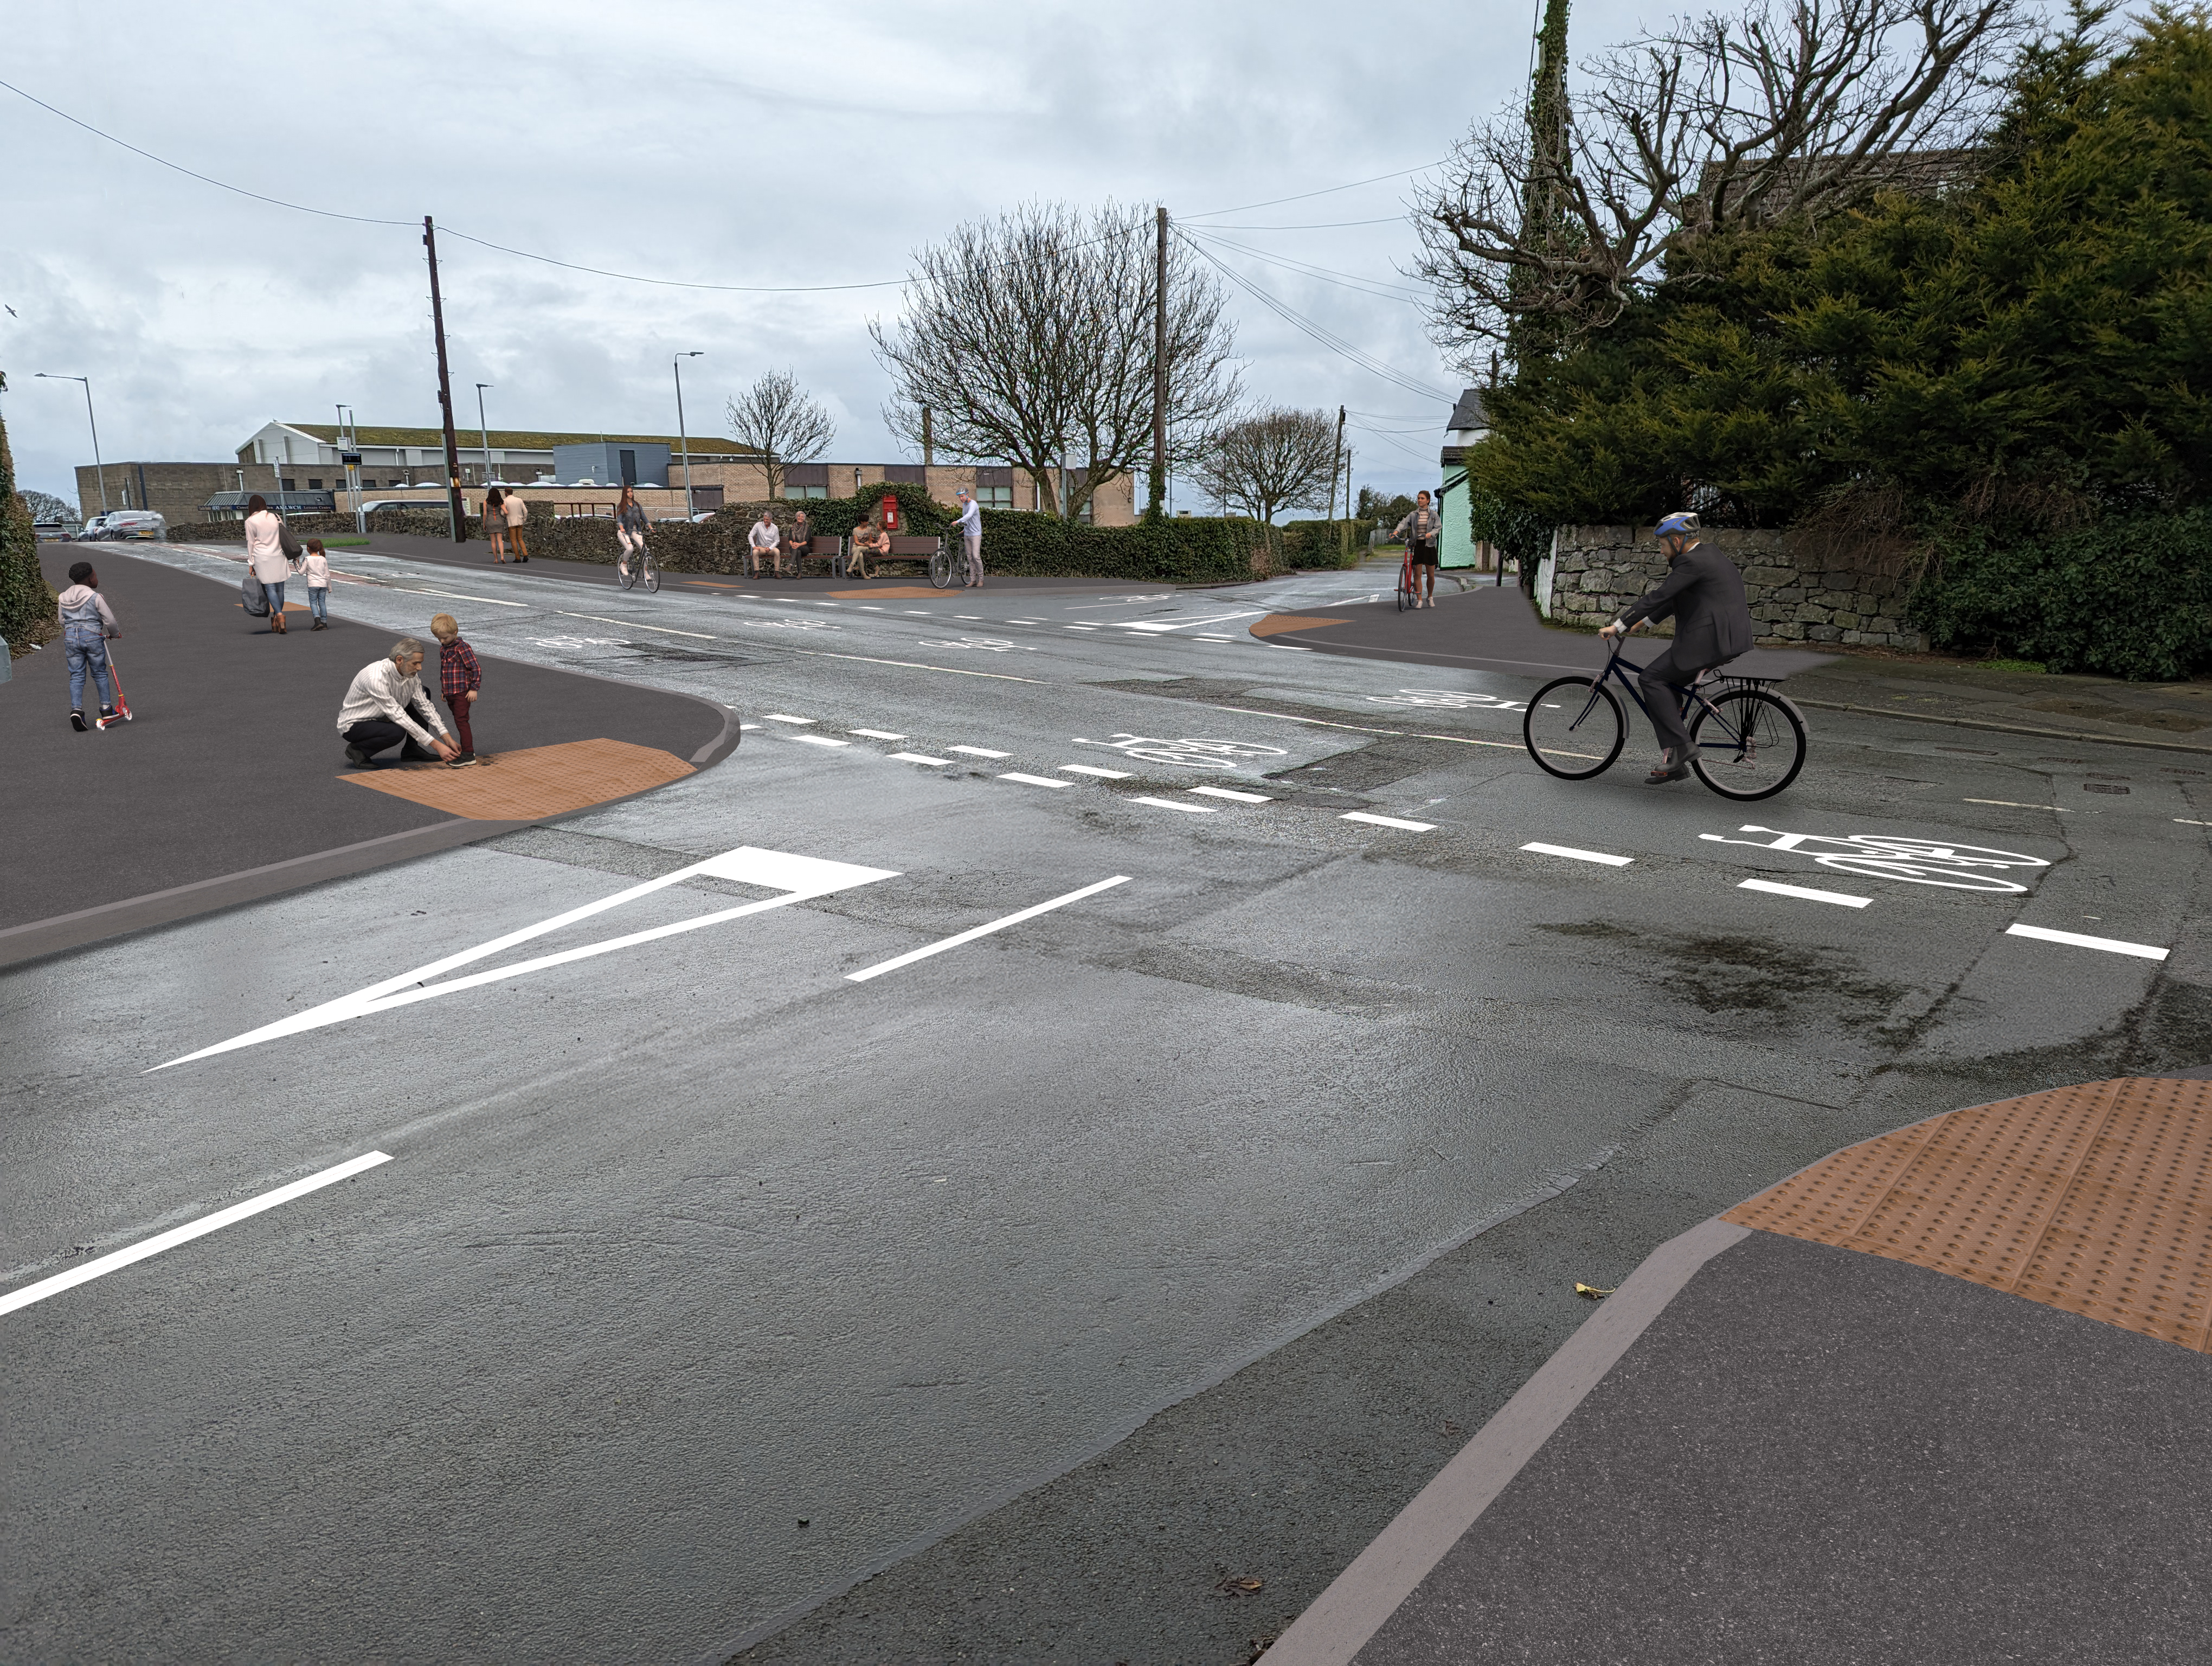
(314, 485)
(806, 492)
(369, 485)
(288, 486)
(995, 497)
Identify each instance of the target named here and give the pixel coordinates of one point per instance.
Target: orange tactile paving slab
(2095, 1199)
(1276, 624)
(524, 786)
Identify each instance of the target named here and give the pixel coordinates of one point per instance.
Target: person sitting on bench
(868, 539)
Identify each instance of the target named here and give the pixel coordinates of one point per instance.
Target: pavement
(230, 782)
(1042, 1155)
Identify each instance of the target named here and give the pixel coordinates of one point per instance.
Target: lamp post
(485, 427)
(681, 440)
(350, 460)
(98, 467)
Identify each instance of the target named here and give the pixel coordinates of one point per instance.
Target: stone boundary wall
(1797, 594)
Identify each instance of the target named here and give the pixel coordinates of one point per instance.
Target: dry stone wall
(1797, 592)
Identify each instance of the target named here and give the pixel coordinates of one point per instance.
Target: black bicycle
(1750, 740)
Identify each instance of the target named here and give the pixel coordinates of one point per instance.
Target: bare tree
(1030, 337)
(782, 421)
(1794, 108)
(45, 508)
(1271, 460)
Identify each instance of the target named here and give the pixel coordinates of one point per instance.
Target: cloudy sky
(779, 147)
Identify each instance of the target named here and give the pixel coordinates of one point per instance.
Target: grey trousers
(975, 544)
(1659, 680)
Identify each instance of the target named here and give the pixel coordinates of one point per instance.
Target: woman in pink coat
(265, 554)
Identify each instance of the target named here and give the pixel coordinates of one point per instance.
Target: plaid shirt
(458, 670)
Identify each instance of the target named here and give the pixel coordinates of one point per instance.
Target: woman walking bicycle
(1419, 531)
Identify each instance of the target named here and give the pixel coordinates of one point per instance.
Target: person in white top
(518, 515)
(971, 536)
(381, 707)
(317, 566)
(265, 554)
(765, 541)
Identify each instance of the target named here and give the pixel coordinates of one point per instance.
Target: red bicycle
(1407, 594)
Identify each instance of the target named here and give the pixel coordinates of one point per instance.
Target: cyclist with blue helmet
(1703, 594)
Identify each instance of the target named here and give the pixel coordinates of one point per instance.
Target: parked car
(119, 524)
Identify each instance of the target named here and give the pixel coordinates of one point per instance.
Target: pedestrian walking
(266, 555)
(381, 708)
(315, 567)
(1419, 531)
(460, 679)
(518, 515)
(971, 537)
(495, 522)
(629, 529)
(764, 540)
(86, 623)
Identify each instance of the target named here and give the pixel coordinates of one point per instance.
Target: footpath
(1940, 1397)
(230, 784)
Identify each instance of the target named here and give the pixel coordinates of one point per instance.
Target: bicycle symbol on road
(985, 644)
(1192, 754)
(1448, 699)
(1887, 856)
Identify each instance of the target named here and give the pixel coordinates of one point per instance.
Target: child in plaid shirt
(459, 677)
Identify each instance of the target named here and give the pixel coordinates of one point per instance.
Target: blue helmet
(1682, 520)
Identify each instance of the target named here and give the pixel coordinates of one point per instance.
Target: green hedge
(26, 600)
(1312, 545)
(2129, 597)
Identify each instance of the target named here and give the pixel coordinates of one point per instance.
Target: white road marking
(1034, 780)
(1170, 804)
(2185, 822)
(749, 725)
(1079, 626)
(784, 717)
(978, 752)
(185, 1234)
(799, 877)
(1807, 892)
(2009, 805)
(916, 758)
(458, 595)
(877, 734)
(1206, 637)
(1388, 821)
(920, 613)
(1572, 855)
(1093, 769)
(2111, 945)
(971, 935)
(632, 624)
(821, 740)
(1241, 797)
(971, 618)
(1185, 624)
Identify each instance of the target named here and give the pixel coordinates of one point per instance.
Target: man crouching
(375, 715)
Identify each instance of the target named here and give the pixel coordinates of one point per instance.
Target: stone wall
(1799, 590)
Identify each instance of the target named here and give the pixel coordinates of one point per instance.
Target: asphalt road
(1062, 1279)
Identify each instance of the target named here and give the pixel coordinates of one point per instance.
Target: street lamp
(486, 428)
(350, 460)
(98, 467)
(681, 439)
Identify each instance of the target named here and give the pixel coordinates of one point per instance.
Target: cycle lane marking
(984, 930)
(978, 752)
(1387, 821)
(2080, 940)
(919, 757)
(1575, 855)
(1093, 769)
(1226, 793)
(1032, 781)
(147, 1248)
(1947, 864)
(1807, 892)
(1172, 804)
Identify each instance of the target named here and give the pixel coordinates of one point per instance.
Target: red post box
(889, 509)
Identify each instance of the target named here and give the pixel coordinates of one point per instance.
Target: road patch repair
(1934, 1398)
(230, 784)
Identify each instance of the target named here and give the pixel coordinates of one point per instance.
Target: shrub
(26, 599)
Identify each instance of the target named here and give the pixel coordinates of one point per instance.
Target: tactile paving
(538, 781)
(1276, 624)
(2095, 1199)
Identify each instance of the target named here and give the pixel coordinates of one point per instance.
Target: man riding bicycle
(1703, 592)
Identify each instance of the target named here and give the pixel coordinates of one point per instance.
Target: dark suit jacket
(1703, 594)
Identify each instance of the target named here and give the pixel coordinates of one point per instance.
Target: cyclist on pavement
(1420, 530)
(1703, 592)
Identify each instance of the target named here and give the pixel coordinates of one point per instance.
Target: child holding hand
(459, 678)
(316, 566)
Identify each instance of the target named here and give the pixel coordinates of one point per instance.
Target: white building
(306, 455)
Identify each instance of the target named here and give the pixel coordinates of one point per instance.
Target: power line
(1320, 225)
(1326, 191)
(1379, 288)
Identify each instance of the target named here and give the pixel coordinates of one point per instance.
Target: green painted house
(1467, 425)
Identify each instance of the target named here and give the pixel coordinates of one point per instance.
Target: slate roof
(518, 439)
(1468, 413)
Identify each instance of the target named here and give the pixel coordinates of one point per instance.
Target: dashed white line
(1033, 780)
(970, 935)
(821, 740)
(972, 618)
(1093, 769)
(2110, 944)
(1241, 797)
(632, 624)
(978, 752)
(919, 613)
(1388, 821)
(1171, 803)
(917, 758)
(1079, 626)
(1843, 897)
(2010, 804)
(784, 717)
(877, 734)
(1574, 855)
(187, 1234)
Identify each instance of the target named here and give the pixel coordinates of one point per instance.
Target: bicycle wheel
(1758, 742)
(940, 570)
(1574, 728)
(1405, 584)
(625, 575)
(651, 574)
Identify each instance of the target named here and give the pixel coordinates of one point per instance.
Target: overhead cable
(1326, 191)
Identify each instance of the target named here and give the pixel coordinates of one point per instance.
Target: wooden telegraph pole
(1159, 481)
(454, 506)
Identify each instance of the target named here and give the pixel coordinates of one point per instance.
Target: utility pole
(1159, 480)
(1335, 468)
(683, 441)
(349, 458)
(453, 505)
(484, 428)
(98, 467)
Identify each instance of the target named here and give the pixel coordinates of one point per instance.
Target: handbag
(253, 597)
(288, 542)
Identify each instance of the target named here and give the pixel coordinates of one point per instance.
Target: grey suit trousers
(1659, 680)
